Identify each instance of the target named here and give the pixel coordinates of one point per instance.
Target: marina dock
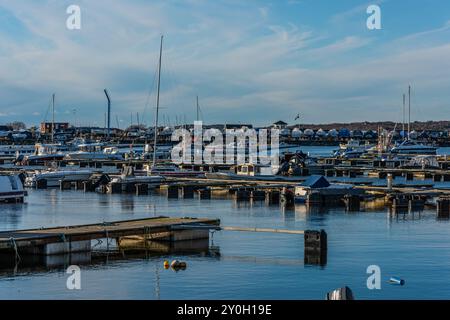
(60, 240)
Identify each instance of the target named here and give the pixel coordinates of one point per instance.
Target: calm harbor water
(240, 265)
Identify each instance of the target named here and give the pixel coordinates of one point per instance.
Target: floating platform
(59, 240)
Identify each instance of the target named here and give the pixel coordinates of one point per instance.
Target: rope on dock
(263, 230)
(107, 239)
(16, 250)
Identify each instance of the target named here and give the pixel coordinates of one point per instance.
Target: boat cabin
(91, 147)
(253, 170)
(44, 149)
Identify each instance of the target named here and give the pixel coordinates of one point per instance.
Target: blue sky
(249, 61)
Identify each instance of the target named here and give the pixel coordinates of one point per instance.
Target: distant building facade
(46, 127)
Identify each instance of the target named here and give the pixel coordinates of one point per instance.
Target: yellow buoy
(166, 264)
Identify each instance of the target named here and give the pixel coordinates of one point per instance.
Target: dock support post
(315, 247)
(400, 204)
(41, 184)
(88, 186)
(258, 195)
(129, 187)
(390, 181)
(114, 187)
(273, 197)
(241, 195)
(172, 192)
(416, 204)
(65, 185)
(141, 189)
(352, 203)
(204, 193)
(187, 192)
(79, 185)
(287, 197)
(443, 208)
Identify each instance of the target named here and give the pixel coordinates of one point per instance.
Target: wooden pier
(59, 240)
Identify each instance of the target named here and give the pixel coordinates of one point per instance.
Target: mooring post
(114, 187)
(315, 247)
(141, 189)
(258, 195)
(389, 181)
(352, 202)
(242, 195)
(204, 193)
(65, 185)
(273, 197)
(443, 208)
(187, 192)
(172, 192)
(41, 184)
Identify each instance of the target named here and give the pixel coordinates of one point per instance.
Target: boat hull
(54, 179)
(430, 151)
(11, 189)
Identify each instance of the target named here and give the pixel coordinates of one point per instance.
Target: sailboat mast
(157, 101)
(197, 110)
(403, 123)
(53, 118)
(409, 111)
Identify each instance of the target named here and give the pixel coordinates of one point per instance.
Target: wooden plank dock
(33, 238)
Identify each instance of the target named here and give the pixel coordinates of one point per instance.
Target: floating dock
(61, 240)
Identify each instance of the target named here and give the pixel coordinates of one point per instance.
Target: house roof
(315, 182)
(279, 122)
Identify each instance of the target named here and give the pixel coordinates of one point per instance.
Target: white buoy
(396, 281)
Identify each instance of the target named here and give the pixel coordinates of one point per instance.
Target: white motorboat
(13, 151)
(352, 149)
(128, 176)
(44, 153)
(11, 189)
(95, 151)
(354, 152)
(412, 147)
(251, 172)
(53, 177)
(171, 170)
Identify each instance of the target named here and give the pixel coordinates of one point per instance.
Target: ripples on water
(239, 265)
(245, 265)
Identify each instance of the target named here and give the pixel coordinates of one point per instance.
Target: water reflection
(12, 265)
(127, 203)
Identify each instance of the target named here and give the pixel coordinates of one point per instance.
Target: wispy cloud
(248, 61)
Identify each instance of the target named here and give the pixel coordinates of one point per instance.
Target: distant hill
(389, 125)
